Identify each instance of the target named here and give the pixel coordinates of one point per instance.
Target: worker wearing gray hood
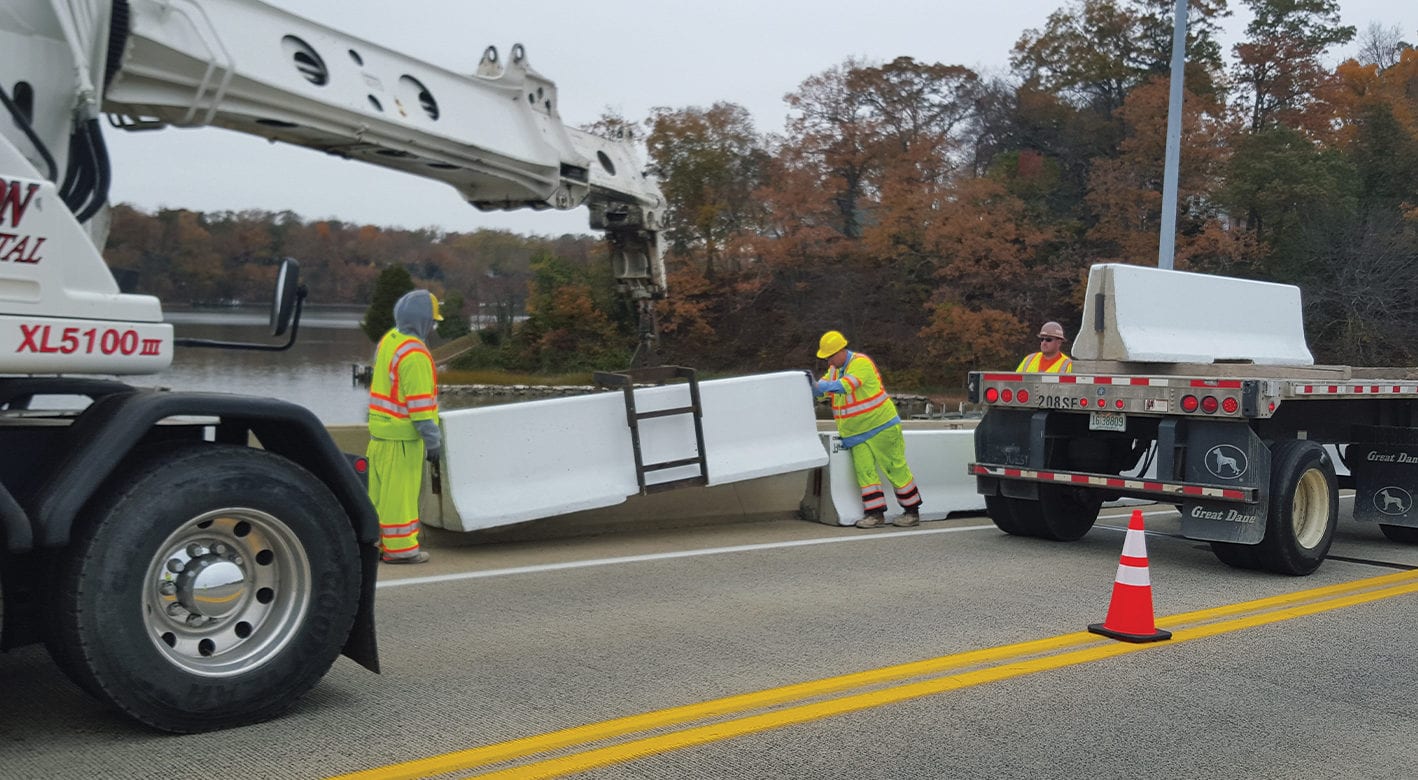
(403, 425)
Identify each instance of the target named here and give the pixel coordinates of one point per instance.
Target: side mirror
(286, 304)
(284, 297)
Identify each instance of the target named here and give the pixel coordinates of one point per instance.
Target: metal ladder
(660, 375)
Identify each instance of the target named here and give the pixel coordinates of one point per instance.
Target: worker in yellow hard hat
(870, 429)
(403, 425)
(1050, 359)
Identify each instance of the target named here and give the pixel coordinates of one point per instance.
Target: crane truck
(199, 560)
(1200, 391)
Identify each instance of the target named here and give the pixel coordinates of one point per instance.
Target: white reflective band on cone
(1134, 575)
(1135, 544)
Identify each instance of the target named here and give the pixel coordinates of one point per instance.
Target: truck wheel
(1062, 514)
(1400, 533)
(207, 586)
(1237, 556)
(1001, 511)
(1304, 509)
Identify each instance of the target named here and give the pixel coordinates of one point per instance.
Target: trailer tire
(206, 586)
(1399, 533)
(1237, 556)
(1001, 511)
(1304, 509)
(1062, 513)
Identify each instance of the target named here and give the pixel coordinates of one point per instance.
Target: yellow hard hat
(437, 310)
(832, 342)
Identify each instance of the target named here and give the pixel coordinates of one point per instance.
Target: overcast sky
(626, 57)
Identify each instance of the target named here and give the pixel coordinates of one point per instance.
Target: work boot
(875, 519)
(421, 557)
(911, 517)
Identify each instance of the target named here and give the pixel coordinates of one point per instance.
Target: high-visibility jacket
(403, 387)
(863, 403)
(1035, 364)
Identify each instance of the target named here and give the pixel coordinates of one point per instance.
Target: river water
(315, 373)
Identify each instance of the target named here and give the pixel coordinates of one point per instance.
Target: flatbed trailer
(1238, 447)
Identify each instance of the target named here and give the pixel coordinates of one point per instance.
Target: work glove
(819, 389)
(432, 454)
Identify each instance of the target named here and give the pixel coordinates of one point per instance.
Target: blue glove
(821, 388)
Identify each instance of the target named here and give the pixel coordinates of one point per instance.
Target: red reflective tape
(1333, 389)
(1374, 389)
(1139, 381)
(1102, 380)
(1083, 478)
(1004, 377)
(1231, 384)
(1192, 490)
(1359, 390)
(1128, 560)
(1233, 493)
(1012, 472)
(1309, 389)
(1068, 379)
(1110, 482)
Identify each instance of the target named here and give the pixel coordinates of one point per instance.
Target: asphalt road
(777, 648)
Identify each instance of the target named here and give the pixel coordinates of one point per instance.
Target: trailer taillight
(1023, 396)
(361, 465)
(1229, 406)
(991, 395)
(1189, 403)
(1007, 395)
(1209, 404)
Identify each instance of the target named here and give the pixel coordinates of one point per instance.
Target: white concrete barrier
(937, 459)
(517, 462)
(1135, 313)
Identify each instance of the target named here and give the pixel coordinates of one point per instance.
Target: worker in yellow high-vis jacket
(870, 429)
(403, 425)
(1050, 359)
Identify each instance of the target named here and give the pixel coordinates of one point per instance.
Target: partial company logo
(1393, 500)
(1226, 461)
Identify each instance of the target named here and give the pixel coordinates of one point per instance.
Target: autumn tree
(1279, 68)
(709, 163)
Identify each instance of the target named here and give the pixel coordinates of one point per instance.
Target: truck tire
(1062, 513)
(1304, 509)
(1001, 512)
(207, 586)
(1399, 533)
(1237, 556)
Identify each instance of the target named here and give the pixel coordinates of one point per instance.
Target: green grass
(494, 377)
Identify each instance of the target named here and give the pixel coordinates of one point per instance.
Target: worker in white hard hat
(1050, 359)
(870, 429)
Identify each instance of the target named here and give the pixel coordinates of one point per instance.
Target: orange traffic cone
(1130, 613)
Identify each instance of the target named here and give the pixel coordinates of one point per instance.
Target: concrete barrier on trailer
(1137, 314)
(517, 462)
(937, 459)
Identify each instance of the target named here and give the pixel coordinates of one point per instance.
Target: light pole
(1167, 240)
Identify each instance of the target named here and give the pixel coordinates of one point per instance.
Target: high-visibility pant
(395, 480)
(886, 450)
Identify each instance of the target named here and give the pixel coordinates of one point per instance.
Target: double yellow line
(735, 716)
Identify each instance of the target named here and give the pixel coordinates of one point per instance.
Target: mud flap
(1385, 482)
(1228, 455)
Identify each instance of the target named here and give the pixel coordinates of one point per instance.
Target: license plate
(1107, 421)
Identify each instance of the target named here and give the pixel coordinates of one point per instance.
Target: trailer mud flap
(998, 439)
(1229, 455)
(1385, 482)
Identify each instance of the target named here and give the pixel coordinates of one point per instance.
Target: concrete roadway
(643, 647)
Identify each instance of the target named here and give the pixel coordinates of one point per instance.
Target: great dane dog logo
(1226, 461)
(1393, 500)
